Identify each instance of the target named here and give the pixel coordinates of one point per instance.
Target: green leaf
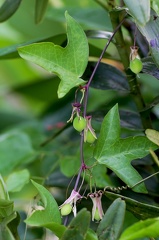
(140, 10)
(69, 165)
(16, 180)
(51, 212)
(68, 63)
(91, 235)
(111, 225)
(6, 209)
(78, 227)
(139, 209)
(15, 149)
(117, 153)
(40, 8)
(8, 8)
(3, 190)
(147, 228)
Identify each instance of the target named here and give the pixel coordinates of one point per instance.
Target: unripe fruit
(89, 137)
(79, 123)
(136, 65)
(96, 215)
(66, 209)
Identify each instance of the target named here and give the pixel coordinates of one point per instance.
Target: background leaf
(68, 63)
(150, 31)
(140, 10)
(78, 227)
(147, 228)
(8, 8)
(16, 180)
(20, 151)
(139, 209)
(40, 8)
(50, 214)
(111, 225)
(106, 77)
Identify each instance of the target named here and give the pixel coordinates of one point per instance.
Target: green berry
(96, 215)
(136, 65)
(89, 137)
(66, 209)
(79, 123)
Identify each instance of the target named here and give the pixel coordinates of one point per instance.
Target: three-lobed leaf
(68, 63)
(117, 153)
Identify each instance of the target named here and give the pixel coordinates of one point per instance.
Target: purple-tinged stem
(83, 166)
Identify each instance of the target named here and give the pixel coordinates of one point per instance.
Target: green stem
(132, 78)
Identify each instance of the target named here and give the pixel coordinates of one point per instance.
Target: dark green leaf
(55, 59)
(140, 210)
(12, 52)
(150, 67)
(130, 120)
(111, 225)
(13, 226)
(50, 212)
(140, 10)
(8, 8)
(117, 153)
(106, 77)
(78, 227)
(40, 8)
(15, 149)
(148, 228)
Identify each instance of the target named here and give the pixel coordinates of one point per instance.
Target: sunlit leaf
(140, 10)
(68, 63)
(117, 153)
(8, 8)
(111, 225)
(147, 228)
(152, 135)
